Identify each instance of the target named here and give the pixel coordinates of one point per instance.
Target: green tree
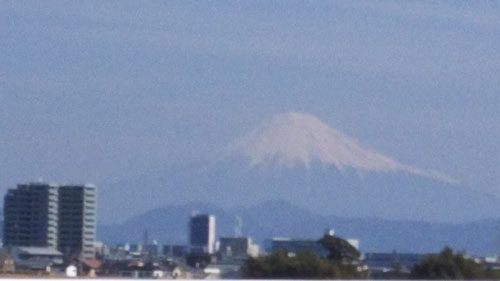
(340, 263)
(339, 249)
(279, 265)
(447, 265)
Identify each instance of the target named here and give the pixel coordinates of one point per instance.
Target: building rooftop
(45, 251)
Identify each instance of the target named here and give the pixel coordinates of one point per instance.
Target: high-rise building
(48, 215)
(202, 234)
(30, 216)
(77, 220)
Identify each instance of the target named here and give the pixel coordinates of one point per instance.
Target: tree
(279, 265)
(340, 263)
(339, 249)
(447, 265)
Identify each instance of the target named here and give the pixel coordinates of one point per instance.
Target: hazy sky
(98, 91)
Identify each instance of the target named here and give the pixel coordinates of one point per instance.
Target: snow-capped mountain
(297, 158)
(298, 139)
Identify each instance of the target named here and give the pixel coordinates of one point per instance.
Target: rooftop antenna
(145, 237)
(238, 227)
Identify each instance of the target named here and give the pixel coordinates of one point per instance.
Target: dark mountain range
(280, 219)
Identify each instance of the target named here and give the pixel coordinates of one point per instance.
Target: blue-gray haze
(100, 91)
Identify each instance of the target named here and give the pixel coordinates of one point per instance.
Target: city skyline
(145, 99)
(377, 118)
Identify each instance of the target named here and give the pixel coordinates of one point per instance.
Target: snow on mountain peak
(298, 138)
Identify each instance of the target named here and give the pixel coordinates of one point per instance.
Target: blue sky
(94, 91)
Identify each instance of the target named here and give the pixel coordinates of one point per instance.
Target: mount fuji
(297, 158)
(299, 139)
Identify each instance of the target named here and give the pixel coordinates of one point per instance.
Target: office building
(48, 215)
(202, 234)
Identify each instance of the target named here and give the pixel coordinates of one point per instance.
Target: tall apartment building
(47, 215)
(77, 220)
(31, 216)
(202, 234)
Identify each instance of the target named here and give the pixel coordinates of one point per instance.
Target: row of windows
(26, 219)
(39, 204)
(70, 212)
(70, 232)
(26, 232)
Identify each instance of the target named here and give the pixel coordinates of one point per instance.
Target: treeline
(304, 265)
(341, 263)
(448, 265)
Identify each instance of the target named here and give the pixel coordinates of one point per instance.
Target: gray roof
(43, 251)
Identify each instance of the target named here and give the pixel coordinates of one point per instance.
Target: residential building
(77, 220)
(31, 215)
(36, 259)
(202, 234)
(7, 264)
(233, 252)
(62, 217)
(139, 269)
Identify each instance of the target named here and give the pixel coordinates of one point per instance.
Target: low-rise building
(387, 262)
(6, 262)
(139, 269)
(36, 259)
(175, 251)
(292, 246)
(237, 248)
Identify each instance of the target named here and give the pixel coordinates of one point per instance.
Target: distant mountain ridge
(270, 219)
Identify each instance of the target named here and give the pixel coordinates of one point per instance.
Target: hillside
(281, 219)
